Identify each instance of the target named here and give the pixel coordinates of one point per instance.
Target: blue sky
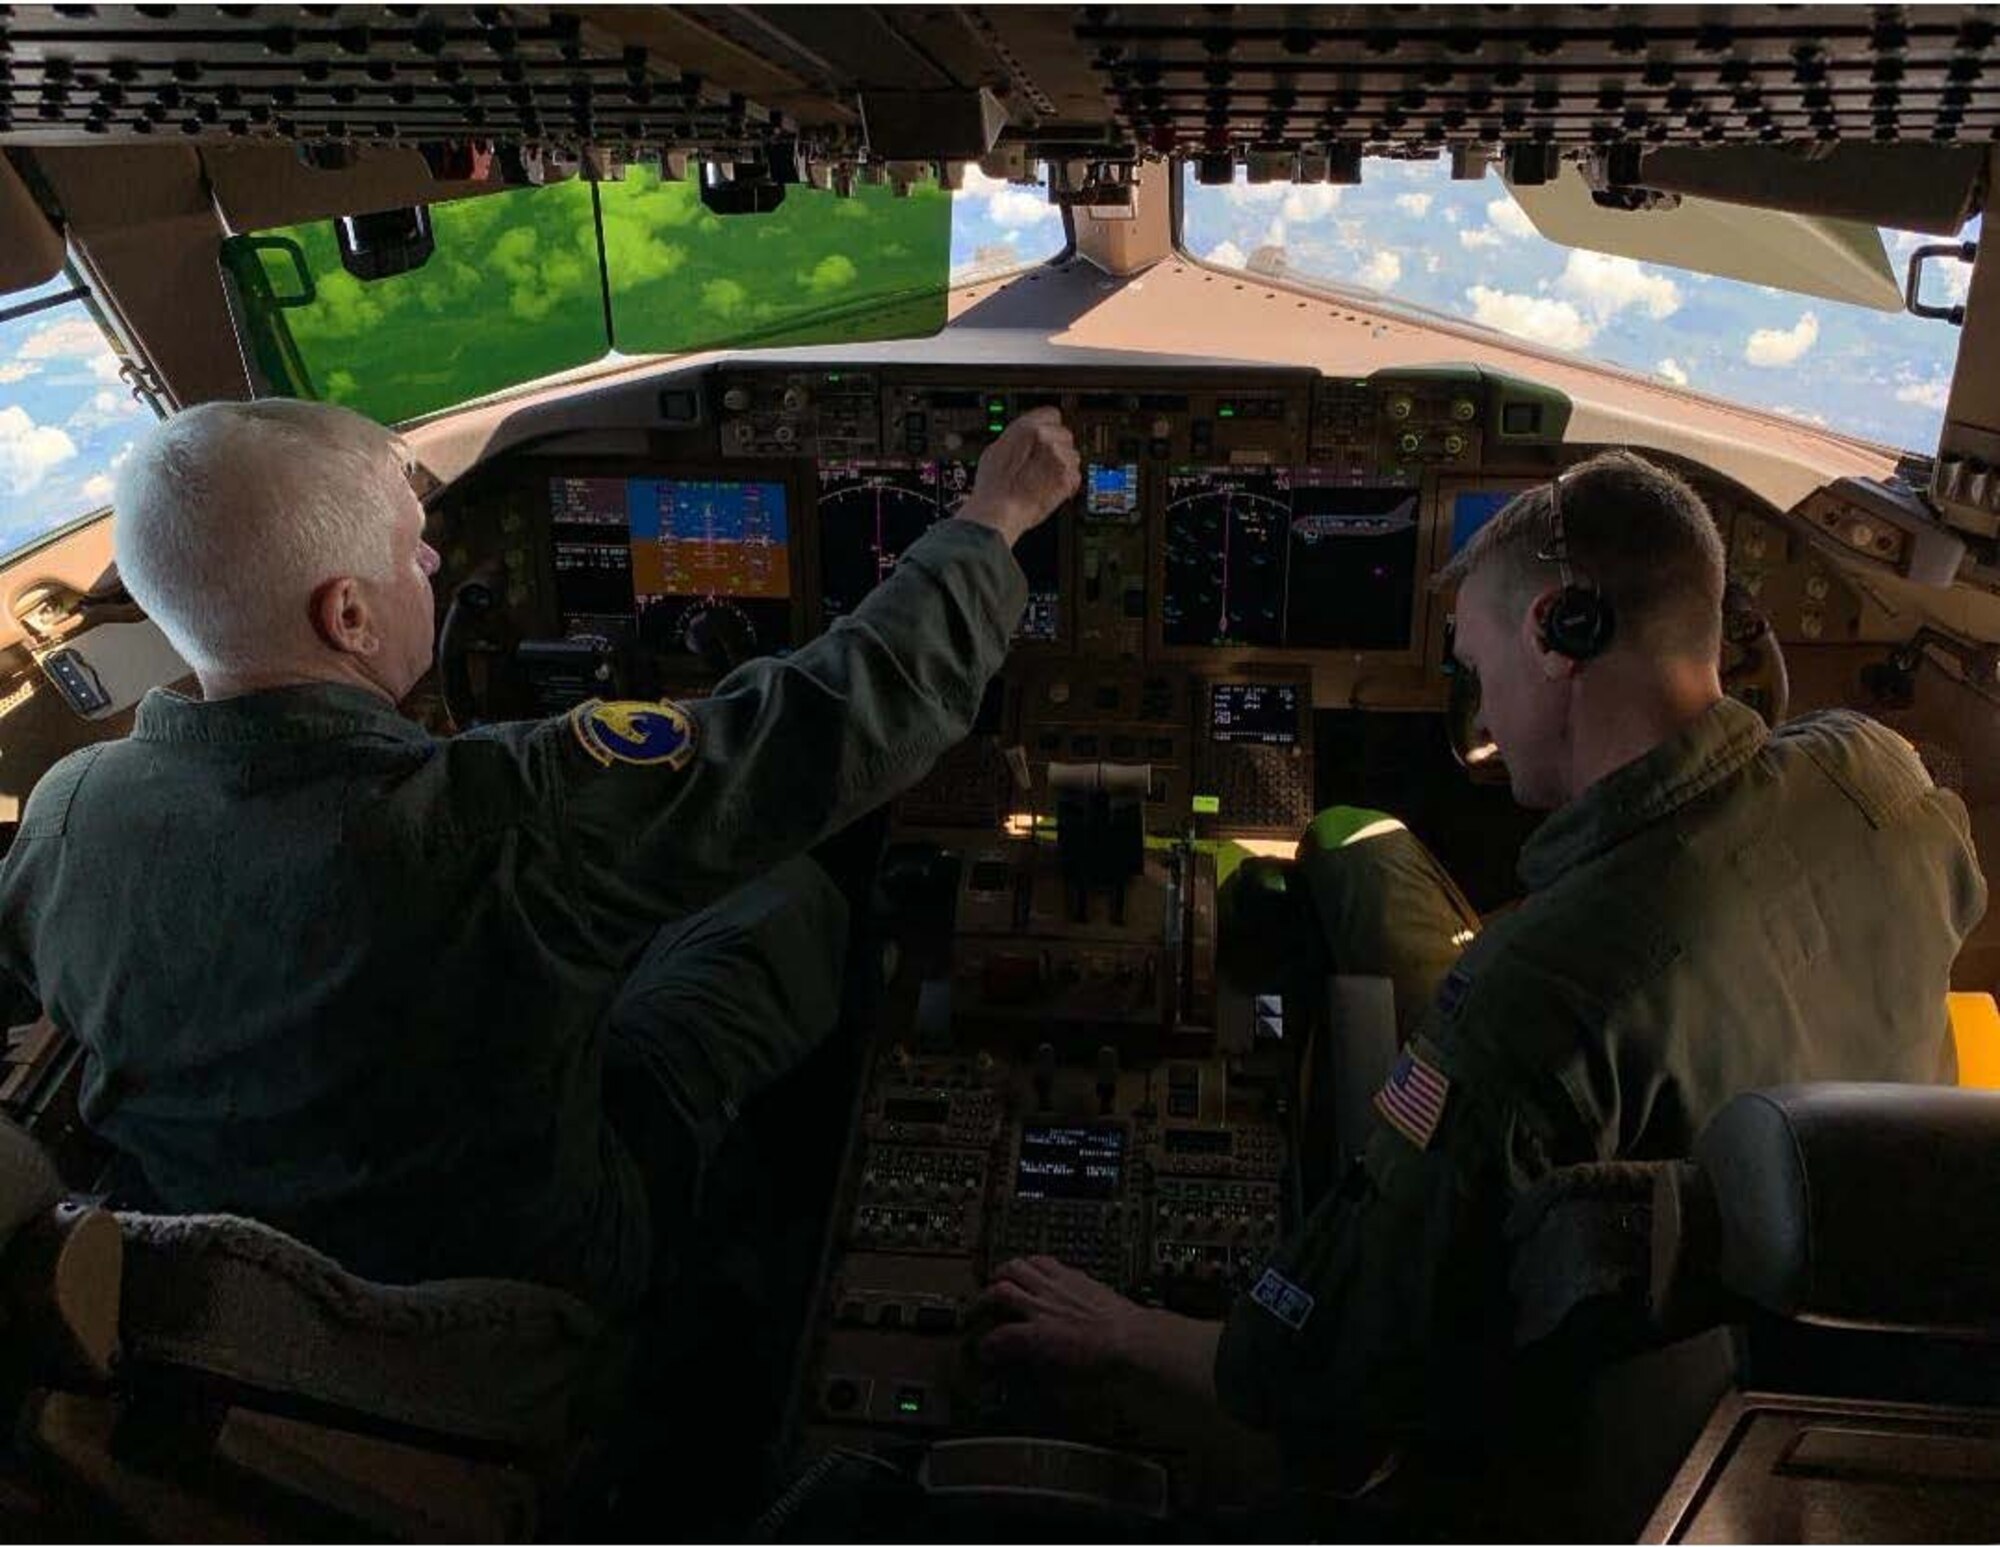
(1412, 233)
(65, 418)
(1408, 231)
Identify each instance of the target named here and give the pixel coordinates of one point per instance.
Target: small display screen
(1070, 1163)
(1473, 508)
(1258, 713)
(1198, 1141)
(661, 551)
(1291, 558)
(871, 512)
(916, 1109)
(1111, 492)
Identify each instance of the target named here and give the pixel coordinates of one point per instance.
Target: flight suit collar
(1679, 770)
(310, 712)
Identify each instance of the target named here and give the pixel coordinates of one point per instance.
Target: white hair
(229, 516)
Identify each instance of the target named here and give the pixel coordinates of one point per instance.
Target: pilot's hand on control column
(1060, 1316)
(1024, 475)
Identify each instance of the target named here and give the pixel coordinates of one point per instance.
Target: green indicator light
(1208, 805)
(997, 406)
(910, 1402)
(833, 376)
(1225, 412)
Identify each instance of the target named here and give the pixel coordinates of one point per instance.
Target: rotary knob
(1400, 405)
(794, 399)
(736, 399)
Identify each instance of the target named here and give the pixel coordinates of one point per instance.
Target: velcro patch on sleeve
(1412, 1101)
(647, 735)
(1283, 1299)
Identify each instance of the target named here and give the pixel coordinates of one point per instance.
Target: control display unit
(1256, 713)
(1069, 1163)
(1287, 558)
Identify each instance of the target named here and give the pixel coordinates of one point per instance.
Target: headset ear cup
(1578, 623)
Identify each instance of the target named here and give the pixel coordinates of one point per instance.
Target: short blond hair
(1636, 531)
(229, 515)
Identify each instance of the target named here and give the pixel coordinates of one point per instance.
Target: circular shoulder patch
(625, 731)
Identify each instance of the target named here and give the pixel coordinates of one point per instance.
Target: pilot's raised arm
(661, 807)
(470, 1006)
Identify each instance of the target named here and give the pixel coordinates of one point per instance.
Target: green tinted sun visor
(520, 285)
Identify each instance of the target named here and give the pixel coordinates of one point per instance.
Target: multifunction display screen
(1288, 558)
(665, 550)
(871, 512)
(1069, 1163)
(1258, 713)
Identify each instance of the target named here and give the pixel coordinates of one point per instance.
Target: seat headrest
(1864, 1206)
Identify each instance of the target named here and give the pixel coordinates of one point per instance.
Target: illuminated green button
(1208, 805)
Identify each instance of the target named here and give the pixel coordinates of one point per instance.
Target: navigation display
(871, 512)
(662, 551)
(1069, 1163)
(1258, 713)
(1287, 558)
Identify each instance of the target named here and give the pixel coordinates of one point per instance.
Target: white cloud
(1605, 286)
(1556, 323)
(74, 338)
(1782, 346)
(1509, 219)
(1311, 201)
(1484, 236)
(1673, 370)
(105, 367)
(12, 371)
(103, 408)
(1418, 204)
(1227, 254)
(1791, 412)
(1451, 217)
(1382, 270)
(29, 451)
(118, 458)
(1931, 394)
(1007, 206)
(1432, 263)
(97, 489)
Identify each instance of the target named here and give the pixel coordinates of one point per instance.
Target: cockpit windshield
(1410, 234)
(492, 292)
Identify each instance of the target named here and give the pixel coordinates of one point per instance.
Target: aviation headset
(1579, 622)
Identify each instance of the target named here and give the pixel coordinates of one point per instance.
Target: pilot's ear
(1554, 664)
(341, 618)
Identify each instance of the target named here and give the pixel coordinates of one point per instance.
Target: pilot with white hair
(439, 1006)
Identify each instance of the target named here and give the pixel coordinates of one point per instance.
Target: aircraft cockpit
(668, 308)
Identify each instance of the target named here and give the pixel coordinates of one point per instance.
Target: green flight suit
(343, 976)
(1735, 909)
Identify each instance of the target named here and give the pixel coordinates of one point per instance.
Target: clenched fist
(1024, 476)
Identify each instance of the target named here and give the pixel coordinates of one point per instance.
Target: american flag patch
(1413, 1100)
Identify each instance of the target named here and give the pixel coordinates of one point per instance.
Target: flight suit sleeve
(1391, 1305)
(786, 750)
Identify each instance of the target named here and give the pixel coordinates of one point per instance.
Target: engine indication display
(1288, 558)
